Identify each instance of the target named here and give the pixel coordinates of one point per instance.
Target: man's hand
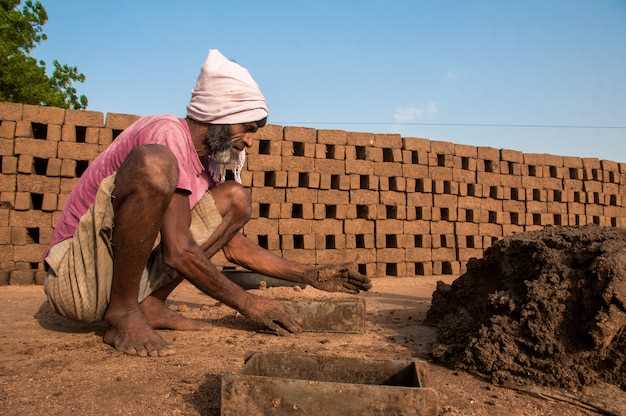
(337, 278)
(274, 314)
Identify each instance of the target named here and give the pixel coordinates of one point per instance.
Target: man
(152, 210)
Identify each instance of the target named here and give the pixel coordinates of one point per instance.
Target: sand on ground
(52, 366)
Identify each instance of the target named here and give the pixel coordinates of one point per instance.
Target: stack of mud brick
(44, 151)
(392, 205)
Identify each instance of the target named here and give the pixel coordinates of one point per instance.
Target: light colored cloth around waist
(81, 268)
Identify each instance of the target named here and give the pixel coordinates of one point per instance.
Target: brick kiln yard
(56, 367)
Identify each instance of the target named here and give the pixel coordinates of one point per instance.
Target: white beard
(222, 160)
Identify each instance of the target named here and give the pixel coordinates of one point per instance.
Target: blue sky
(553, 62)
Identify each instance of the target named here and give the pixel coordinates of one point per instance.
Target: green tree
(23, 78)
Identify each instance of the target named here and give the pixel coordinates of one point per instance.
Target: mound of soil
(546, 306)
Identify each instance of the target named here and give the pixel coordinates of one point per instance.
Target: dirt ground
(52, 366)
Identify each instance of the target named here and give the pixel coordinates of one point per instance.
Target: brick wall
(395, 206)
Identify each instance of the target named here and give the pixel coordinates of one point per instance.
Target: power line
(391, 123)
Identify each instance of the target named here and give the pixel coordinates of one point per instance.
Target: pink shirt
(166, 130)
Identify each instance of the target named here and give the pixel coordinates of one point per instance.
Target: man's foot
(130, 333)
(159, 316)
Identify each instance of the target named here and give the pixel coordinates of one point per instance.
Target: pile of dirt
(546, 306)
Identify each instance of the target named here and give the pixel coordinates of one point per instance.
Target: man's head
(223, 142)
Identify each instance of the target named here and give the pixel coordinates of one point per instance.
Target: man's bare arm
(186, 257)
(242, 251)
(332, 278)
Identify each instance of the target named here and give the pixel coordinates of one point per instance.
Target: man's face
(224, 142)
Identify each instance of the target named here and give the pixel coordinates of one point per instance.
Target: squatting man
(154, 208)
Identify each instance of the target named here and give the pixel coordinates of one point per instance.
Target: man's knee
(240, 201)
(154, 168)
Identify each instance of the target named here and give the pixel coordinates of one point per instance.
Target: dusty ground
(55, 367)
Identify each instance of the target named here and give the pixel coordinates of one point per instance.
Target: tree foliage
(23, 78)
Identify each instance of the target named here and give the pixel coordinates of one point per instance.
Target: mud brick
(30, 219)
(84, 118)
(414, 254)
(490, 230)
(415, 171)
(7, 129)
(330, 166)
(9, 165)
(487, 178)
(105, 137)
(361, 167)
(420, 227)
(595, 198)
(304, 211)
(300, 134)
(91, 135)
(37, 183)
(468, 253)
(388, 227)
(390, 255)
(493, 192)
(364, 242)
(591, 210)
(23, 201)
(297, 149)
(421, 185)
(298, 164)
(260, 226)
(246, 178)
(465, 167)
(363, 197)
(414, 157)
(298, 242)
(29, 253)
(393, 141)
(510, 168)
(442, 147)
(416, 238)
(25, 164)
(388, 169)
(301, 195)
(330, 256)
(54, 132)
(330, 241)
(470, 189)
(68, 168)
(443, 254)
(300, 256)
(5, 235)
(120, 121)
(440, 160)
(535, 219)
(360, 139)
(22, 277)
(56, 216)
(441, 227)
(361, 256)
(392, 198)
(362, 211)
(536, 195)
(391, 211)
(330, 151)
(369, 182)
(10, 111)
(465, 228)
(510, 229)
(61, 200)
(333, 197)
(268, 195)
(77, 151)
(49, 202)
(445, 187)
(295, 226)
(327, 226)
(359, 226)
(7, 199)
(267, 241)
(448, 201)
(423, 268)
(37, 148)
(337, 137)
(611, 212)
(440, 173)
(4, 218)
(7, 183)
(46, 115)
(23, 128)
(334, 181)
(394, 183)
(511, 156)
(6, 147)
(270, 179)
